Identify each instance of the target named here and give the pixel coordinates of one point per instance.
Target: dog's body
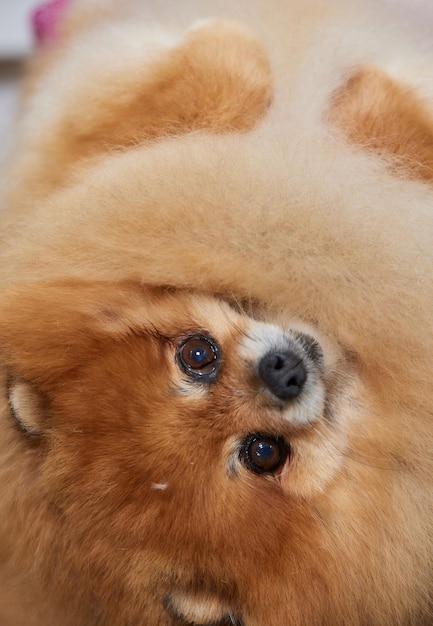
(282, 161)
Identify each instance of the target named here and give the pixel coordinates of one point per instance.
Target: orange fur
(218, 79)
(197, 182)
(210, 532)
(377, 113)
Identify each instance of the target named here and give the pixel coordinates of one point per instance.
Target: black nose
(283, 373)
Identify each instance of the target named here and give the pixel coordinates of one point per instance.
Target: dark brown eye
(198, 357)
(263, 453)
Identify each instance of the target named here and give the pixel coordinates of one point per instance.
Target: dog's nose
(283, 373)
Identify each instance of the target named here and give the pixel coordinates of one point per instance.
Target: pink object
(45, 18)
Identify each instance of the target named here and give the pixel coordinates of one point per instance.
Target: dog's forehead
(217, 317)
(170, 313)
(256, 336)
(262, 337)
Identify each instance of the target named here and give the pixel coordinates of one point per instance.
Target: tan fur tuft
(379, 114)
(217, 80)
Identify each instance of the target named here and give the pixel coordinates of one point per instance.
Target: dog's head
(171, 439)
(165, 458)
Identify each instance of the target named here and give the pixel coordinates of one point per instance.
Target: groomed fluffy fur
(279, 157)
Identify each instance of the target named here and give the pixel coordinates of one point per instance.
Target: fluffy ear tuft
(27, 406)
(217, 79)
(381, 115)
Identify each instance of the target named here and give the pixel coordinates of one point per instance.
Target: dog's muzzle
(283, 373)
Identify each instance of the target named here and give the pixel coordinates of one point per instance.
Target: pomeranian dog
(216, 319)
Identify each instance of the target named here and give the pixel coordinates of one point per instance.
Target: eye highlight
(198, 357)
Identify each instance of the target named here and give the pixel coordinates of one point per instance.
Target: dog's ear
(48, 330)
(216, 79)
(381, 115)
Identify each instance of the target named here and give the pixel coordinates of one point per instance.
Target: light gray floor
(15, 45)
(9, 75)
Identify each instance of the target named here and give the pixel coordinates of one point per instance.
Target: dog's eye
(198, 357)
(263, 453)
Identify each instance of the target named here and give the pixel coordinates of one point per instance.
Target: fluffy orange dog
(216, 321)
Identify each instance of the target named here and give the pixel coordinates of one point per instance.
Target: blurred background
(16, 43)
